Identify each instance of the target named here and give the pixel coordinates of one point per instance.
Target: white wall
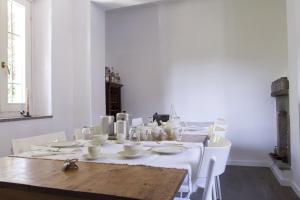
(293, 13)
(81, 61)
(209, 58)
(97, 62)
(71, 71)
(41, 58)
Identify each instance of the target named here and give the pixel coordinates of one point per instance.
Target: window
(15, 53)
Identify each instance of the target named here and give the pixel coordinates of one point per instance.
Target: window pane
(16, 52)
(15, 91)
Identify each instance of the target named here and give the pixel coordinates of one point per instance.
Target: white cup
(132, 148)
(94, 151)
(104, 124)
(121, 138)
(99, 139)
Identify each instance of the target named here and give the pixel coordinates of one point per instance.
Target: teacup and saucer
(93, 152)
(99, 139)
(132, 150)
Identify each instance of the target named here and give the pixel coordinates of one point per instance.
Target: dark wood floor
(251, 183)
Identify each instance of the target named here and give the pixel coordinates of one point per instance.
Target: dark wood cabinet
(113, 98)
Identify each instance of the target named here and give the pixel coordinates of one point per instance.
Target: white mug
(99, 139)
(121, 138)
(104, 124)
(132, 148)
(94, 151)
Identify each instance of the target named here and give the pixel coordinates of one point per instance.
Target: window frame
(4, 105)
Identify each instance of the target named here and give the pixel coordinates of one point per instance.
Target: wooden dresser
(113, 98)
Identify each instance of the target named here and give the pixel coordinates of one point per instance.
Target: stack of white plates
(171, 149)
(65, 144)
(131, 155)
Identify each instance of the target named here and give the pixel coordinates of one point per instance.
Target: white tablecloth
(189, 159)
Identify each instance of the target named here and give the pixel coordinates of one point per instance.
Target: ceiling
(113, 4)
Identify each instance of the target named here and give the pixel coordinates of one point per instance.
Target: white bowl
(132, 147)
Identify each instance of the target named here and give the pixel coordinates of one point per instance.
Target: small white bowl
(132, 148)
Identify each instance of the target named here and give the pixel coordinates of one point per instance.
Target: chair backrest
(23, 144)
(220, 133)
(218, 147)
(207, 193)
(220, 127)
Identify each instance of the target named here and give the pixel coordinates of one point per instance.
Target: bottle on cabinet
(112, 76)
(107, 74)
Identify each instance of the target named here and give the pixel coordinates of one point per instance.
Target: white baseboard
(250, 163)
(284, 177)
(296, 188)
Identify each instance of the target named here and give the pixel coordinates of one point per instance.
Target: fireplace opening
(282, 154)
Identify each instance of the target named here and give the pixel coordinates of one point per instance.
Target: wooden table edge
(79, 194)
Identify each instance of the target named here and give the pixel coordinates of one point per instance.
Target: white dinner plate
(195, 128)
(171, 149)
(131, 155)
(65, 144)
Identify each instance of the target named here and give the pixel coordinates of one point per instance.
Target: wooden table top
(91, 180)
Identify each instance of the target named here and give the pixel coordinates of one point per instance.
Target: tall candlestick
(27, 101)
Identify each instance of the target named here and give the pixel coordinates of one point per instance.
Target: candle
(27, 100)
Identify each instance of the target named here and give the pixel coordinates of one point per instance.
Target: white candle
(27, 100)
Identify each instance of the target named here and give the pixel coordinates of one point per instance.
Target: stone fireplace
(282, 154)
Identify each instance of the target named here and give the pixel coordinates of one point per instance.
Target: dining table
(41, 179)
(37, 174)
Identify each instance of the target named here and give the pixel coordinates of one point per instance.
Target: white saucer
(138, 154)
(89, 157)
(171, 149)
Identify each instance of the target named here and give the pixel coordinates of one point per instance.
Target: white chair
(218, 147)
(220, 127)
(208, 189)
(24, 144)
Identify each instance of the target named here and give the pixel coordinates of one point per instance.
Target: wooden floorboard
(251, 183)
